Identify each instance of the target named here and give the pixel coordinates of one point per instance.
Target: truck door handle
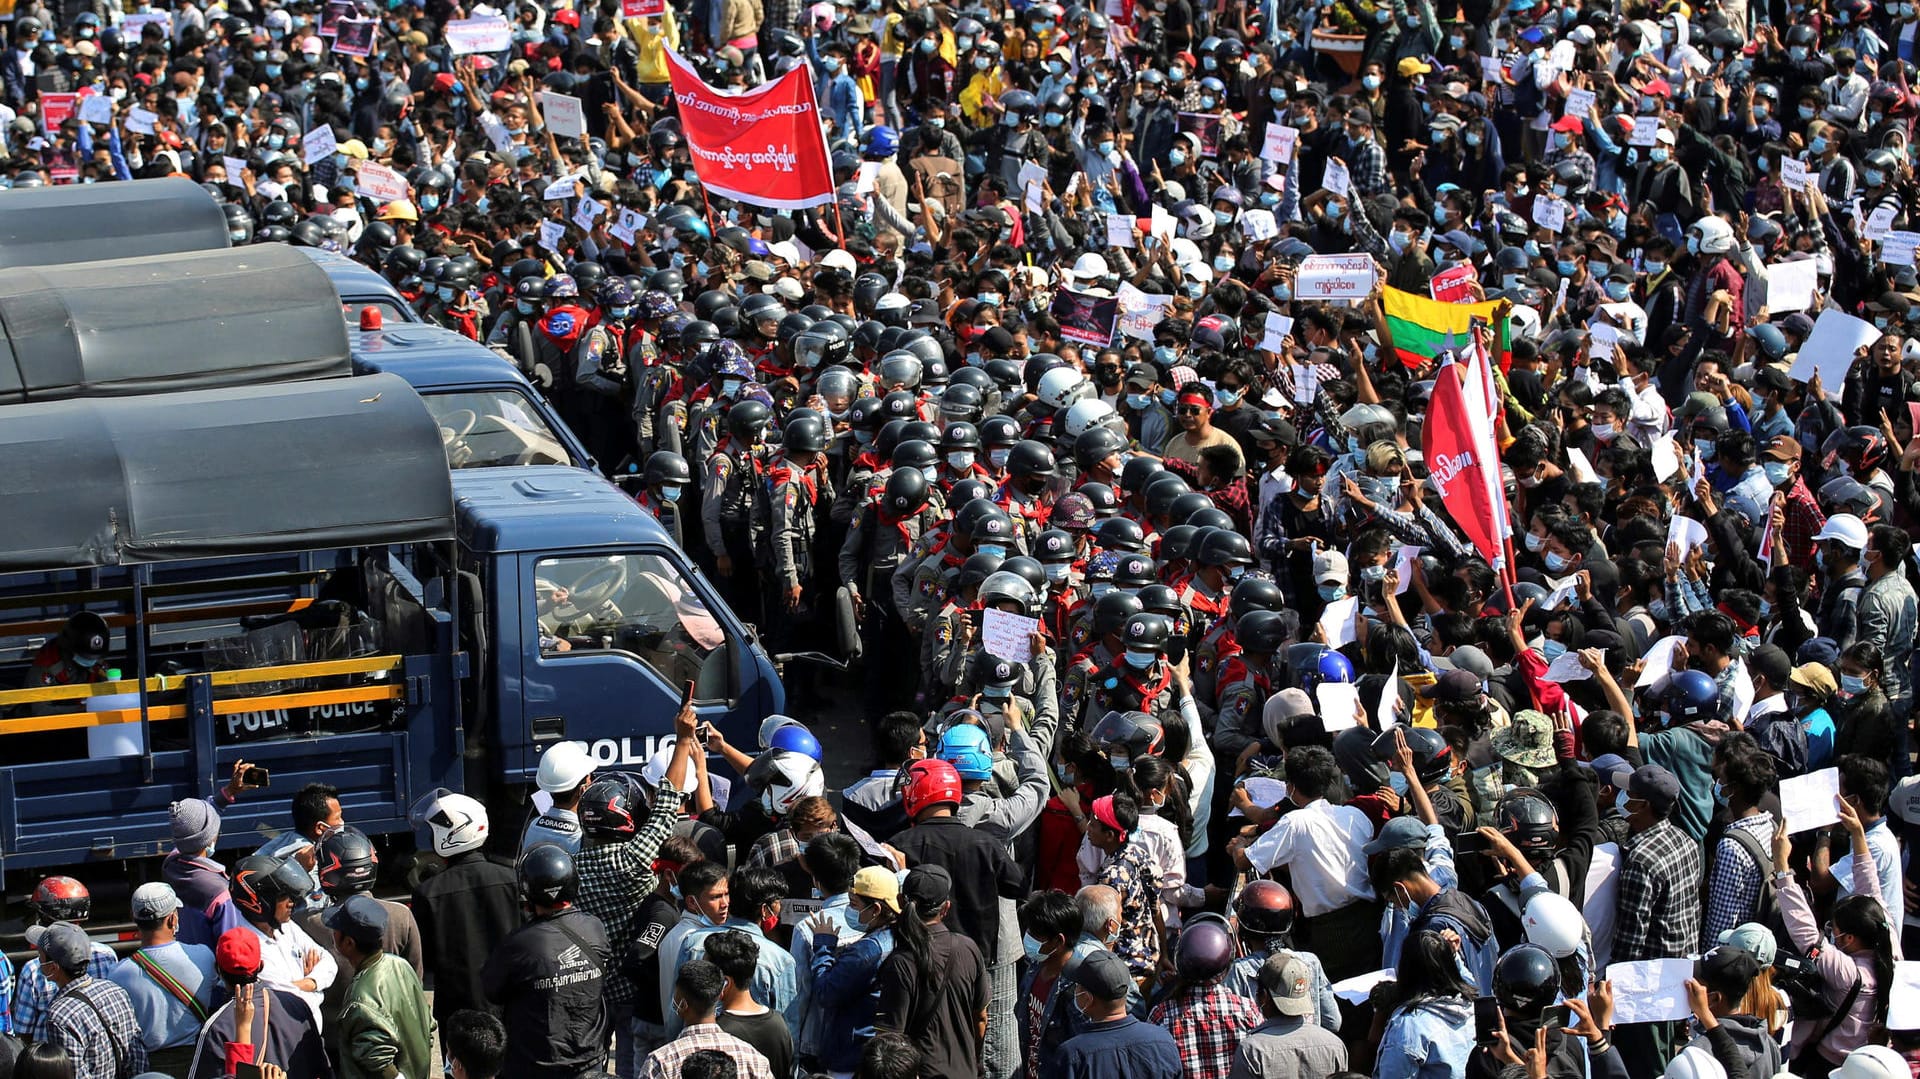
(549, 728)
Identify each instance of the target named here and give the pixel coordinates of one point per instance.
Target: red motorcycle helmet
(1264, 908)
(61, 899)
(929, 783)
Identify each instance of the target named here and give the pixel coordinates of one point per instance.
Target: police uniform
(927, 574)
(793, 493)
(1245, 685)
(726, 512)
(1117, 687)
(599, 379)
(1216, 646)
(1077, 684)
(944, 648)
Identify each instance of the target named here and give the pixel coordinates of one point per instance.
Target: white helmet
(783, 777)
(1552, 922)
(1084, 416)
(1871, 1062)
(1061, 387)
(654, 772)
(1091, 267)
(1694, 1062)
(458, 823)
(564, 767)
(1526, 323)
(892, 301)
(1716, 236)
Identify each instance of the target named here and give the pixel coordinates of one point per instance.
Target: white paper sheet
(1807, 801)
(1686, 532)
(1264, 791)
(1119, 230)
(1337, 701)
(1659, 661)
(1830, 349)
(1383, 716)
(1666, 458)
(1567, 668)
(1008, 636)
(1336, 179)
(1339, 621)
(1790, 285)
(1404, 561)
(1356, 989)
(1903, 1006)
(1650, 991)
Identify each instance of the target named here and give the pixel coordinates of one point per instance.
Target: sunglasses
(1188, 410)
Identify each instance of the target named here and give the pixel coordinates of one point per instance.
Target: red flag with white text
(764, 146)
(1457, 441)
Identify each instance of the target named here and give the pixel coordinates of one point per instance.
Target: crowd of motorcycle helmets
(1167, 612)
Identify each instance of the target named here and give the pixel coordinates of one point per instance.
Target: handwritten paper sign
(1579, 103)
(551, 233)
(1651, 990)
(1807, 802)
(466, 36)
(1403, 563)
(1659, 661)
(560, 190)
(134, 26)
(380, 183)
(1550, 214)
(1337, 180)
(1119, 230)
(1266, 793)
(1790, 285)
(1896, 248)
(140, 122)
(1008, 636)
(318, 145)
(1278, 326)
(98, 109)
(1646, 131)
(235, 166)
(1793, 174)
(1280, 143)
(1334, 277)
(1879, 222)
(1306, 383)
(564, 114)
(1141, 311)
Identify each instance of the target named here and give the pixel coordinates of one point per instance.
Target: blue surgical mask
(1779, 473)
(1766, 610)
(1873, 177)
(1168, 397)
(998, 550)
(1556, 562)
(1818, 144)
(1372, 82)
(1620, 800)
(1659, 155)
(1851, 684)
(1330, 593)
(1278, 94)
(1552, 650)
(1176, 158)
(1222, 263)
(1057, 571)
(1139, 400)
(1106, 147)
(1032, 946)
(1655, 267)
(1140, 661)
(1534, 541)
(1706, 448)
(1283, 293)
(1617, 290)
(1658, 609)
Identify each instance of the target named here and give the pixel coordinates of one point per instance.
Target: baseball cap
(1816, 677)
(1104, 974)
(1413, 65)
(879, 885)
(1459, 684)
(1527, 741)
(1613, 770)
(1287, 983)
(65, 945)
(1330, 566)
(1846, 528)
(1400, 833)
(1569, 123)
(929, 886)
(1784, 448)
(237, 955)
(361, 919)
(1752, 938)
(152, 902)
(1655, 786)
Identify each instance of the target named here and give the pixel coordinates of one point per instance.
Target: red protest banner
(640, 9)
(55, 108)
(765, 146)
(1462, 459)
(1453, 286)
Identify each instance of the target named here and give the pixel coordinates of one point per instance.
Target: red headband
(1103, 812)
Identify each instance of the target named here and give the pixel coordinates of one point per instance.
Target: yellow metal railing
(224, 706)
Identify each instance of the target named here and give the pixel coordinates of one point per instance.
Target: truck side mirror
(717, 682)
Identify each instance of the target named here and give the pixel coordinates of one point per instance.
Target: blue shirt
(1819, 727)
(6, 995)
(775, 983)
(1429, 1040)
(165, 1022)
(845, 996)
(1124, 1048)
(33, 993)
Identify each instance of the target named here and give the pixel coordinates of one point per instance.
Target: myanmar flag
(1421, 328)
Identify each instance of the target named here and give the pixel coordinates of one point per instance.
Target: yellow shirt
(984, 84)
(890, 44)
(653, 45)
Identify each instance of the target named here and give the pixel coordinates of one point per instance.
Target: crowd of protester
(1204, 741)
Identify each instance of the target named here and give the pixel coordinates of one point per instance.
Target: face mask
(1566, 268)
(1659, 155)
(1372, 82)
(1055, 119)
(1140, 661)
(832, 64)
(1851, 684)
(1658, 609)
(1176, 158)
(1873, 177)
(1552, 650)
(998, 457)
(981, 63)
(1277, 94)
(1032, 946)
(1177, 74)
(1057, 571)
(1224, 397)
(1655, 268)
(927, 45)
(1693, 245)
(1806, 111)
(1620, 801)
(932, 472)
(961, 461)
(1106, 147)
(1399, 241)
(1556, 562)
(1779, 473)
(1330, 593)
(1706, 448)
(446, 293)
(1222, 263)
(938, 123)
(1761, 112)
(1207, 101)
(1616, 290)
(1473, 138)
(1221, 219)
(1535, 542)
(1057, 67)
(671, 494)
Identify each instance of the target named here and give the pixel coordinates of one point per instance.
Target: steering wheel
(597, 586)
(461, 421)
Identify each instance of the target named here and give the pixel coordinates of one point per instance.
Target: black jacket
(549, 978)
(982, 870)
(462, 911)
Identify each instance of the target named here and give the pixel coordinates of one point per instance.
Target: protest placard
(1008, 636)
(1279, 145)
(1336, 179)
(316, 146)
(1084, 317)
(380, 183)
(1334, 277)
(1278, 326)
(564, 114)
(484, 35)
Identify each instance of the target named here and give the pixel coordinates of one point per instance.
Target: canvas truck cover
(191, 321)
(49, 226)
(298, 466)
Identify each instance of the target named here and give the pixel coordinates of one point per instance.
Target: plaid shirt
(1735, 886)
(1130, 872)
(1658, 911)
(1207, 1023)
(1368, 168)
(775, 848)
(1803, 520)
(782, 15)
(665, 1062)
(616, 877)
(110, 1051)
(33, 994)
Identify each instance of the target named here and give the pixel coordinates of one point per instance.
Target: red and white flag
(764, 146)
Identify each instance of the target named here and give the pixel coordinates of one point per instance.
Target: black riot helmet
(547, 876)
